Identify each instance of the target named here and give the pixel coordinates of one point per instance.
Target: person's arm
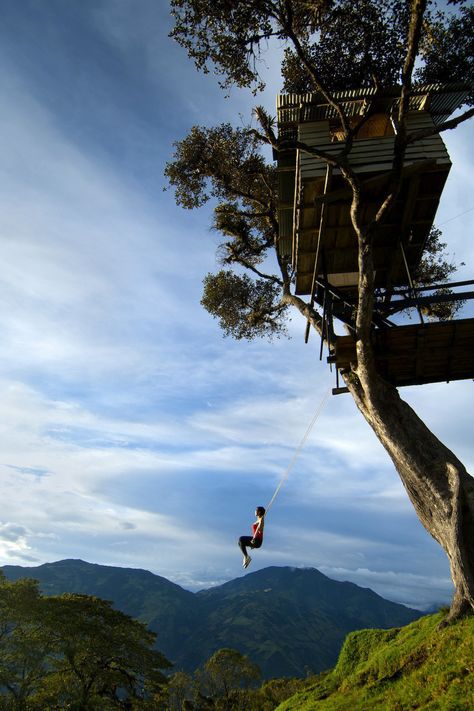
(259, 528)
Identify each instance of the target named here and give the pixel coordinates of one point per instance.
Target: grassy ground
(415, 667)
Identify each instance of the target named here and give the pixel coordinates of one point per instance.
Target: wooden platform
(418, 354)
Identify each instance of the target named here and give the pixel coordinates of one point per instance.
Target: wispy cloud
(420, 591)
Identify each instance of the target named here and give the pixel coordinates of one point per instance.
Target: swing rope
(299, 448)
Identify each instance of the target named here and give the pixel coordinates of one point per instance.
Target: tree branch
(251, 215)
(414, 34)
(445, 126)
(306, 310)
(248, 265)
(260, 136)
(244, 195)
(287, 26)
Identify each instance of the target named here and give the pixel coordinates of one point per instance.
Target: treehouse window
(378, 125)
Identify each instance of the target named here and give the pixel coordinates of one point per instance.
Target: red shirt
(259, 534)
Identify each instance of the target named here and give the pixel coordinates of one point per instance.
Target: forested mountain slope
(290, 621)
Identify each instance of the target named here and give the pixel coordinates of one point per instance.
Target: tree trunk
(437, 483)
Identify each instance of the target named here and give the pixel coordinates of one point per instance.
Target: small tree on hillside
(177, 694)
(225, 674)
(330, 45)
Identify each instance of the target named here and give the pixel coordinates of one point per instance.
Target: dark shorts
(246, 542)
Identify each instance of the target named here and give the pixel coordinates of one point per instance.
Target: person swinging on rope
(256, 539)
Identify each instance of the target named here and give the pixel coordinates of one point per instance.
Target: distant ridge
(290, 621)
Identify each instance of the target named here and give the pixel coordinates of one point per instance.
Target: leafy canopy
(336, 44)
(245, 308)
(225, 164)
(228, 669)
(72, 651)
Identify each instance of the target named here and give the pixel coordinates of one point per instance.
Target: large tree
(25, 643)
(331, 45)
(103, 658)
(73, 651)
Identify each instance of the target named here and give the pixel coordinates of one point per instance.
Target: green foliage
(244, 308)
(274, 692)
(447, 48)
(337, 44)
(228, 669)
(224, 164)
(418, 666)
(72, 651)
(218, 162)
(227, 681)
(24, 641)
(179, 691)
(435, 268)
(101, 650)
(226, 34)
(360, 44)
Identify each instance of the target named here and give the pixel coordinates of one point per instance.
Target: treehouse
(316, 233)
(314, 201)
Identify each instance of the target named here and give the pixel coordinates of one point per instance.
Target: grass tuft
(415, 667)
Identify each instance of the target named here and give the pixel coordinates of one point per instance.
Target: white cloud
(420, 591)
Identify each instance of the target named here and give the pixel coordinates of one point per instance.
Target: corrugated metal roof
(440, 100)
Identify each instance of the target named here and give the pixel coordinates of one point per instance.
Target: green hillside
(415, 667)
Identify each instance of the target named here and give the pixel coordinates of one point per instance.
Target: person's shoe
(247, 561)
(244, 562)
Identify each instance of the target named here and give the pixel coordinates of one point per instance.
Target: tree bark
(437, 483)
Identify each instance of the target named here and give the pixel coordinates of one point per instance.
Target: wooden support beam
(322, 222)
(399, 256)
(402, 304)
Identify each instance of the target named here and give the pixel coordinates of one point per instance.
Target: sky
(131, 432)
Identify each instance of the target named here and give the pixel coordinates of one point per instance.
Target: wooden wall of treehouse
(305, 186)
(368, 155)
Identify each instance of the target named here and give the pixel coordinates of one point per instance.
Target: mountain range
(290, 621)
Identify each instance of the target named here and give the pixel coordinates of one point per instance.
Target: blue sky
(132, 433)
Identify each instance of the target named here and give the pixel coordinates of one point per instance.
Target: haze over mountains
(290, 621)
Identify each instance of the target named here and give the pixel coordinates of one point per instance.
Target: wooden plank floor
(419, 353)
